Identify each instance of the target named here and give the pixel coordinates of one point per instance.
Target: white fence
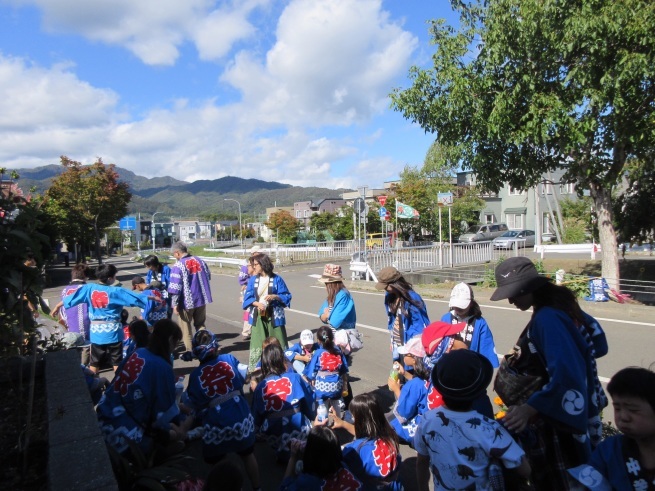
(591, 249)
(406, 259)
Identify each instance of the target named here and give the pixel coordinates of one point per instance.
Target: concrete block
(80, 465)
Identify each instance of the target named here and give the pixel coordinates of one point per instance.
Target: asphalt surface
(629, 330)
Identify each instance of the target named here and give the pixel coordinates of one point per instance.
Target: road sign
(382, 200)
(359, 205)
(445, 199)
(383, 211)
(127, 223)
(387, 216)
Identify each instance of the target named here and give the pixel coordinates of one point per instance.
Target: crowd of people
(294, 397)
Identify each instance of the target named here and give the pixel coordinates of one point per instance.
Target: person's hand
(325, 315)
(177, 432)
(393, 384)
(517, 417)
(337, 422)
(399, 368)
(55, 312)
(296, 448)
(321, 423)
(270, 298)
(175, 310)
(304, 358)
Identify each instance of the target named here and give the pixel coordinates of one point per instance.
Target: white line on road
(498, 307)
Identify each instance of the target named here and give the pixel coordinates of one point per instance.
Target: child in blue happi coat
(328, 370)
(627, 460)
(215, 393)
(300, 354)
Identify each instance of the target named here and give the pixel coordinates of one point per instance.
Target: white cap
(460, 296)
(306, 337)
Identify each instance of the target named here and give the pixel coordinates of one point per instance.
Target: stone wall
(78, 458)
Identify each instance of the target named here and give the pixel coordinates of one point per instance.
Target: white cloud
(333, 63)
(153, 30)
(331, 66)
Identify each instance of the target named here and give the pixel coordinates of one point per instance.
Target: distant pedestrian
(190, 291)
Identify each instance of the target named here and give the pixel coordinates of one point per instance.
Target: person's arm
(343, 303)
(524, 470)
(422, 472)
(394, 386)
(282, 293)
(55, 311)
(295, 448)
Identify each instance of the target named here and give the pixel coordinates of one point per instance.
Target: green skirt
(263, 329)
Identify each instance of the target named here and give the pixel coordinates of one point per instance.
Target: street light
(152, 230)
(240, 227)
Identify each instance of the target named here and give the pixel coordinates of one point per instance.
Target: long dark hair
(332, 289)
(370, 421)
(322, 455)
(163, 332)
(400, 289)
(273, 360)
(558, 297)
(325, 336)
(421, 370)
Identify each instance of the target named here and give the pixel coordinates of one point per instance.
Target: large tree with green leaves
(635, 207)
(526, 86)
(285, 226)
(86, 199)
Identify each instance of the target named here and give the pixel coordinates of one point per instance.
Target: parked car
(488, 231)
(510, 239)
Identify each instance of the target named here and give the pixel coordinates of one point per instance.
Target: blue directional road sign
(127, 223)
(382, 212)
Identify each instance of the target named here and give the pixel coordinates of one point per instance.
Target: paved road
(630, 331)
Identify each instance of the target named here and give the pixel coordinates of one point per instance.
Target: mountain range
(169, 196)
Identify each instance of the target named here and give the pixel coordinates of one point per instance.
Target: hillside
(170, 196)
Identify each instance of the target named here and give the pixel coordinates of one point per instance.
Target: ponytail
(326, 338)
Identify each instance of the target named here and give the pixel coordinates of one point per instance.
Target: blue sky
(292, 91)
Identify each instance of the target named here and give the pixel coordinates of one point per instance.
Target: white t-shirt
(460, 445)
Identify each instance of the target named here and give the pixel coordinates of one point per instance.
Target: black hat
(462, 375)
(516, 276)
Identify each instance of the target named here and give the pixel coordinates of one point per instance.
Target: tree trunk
(97, 244)
(607, 236)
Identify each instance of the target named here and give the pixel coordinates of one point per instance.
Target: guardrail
(592, 249)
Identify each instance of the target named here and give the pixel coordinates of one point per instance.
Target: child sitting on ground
(328, 371)
(456, 442)
(301, 353)
(255, 376)
(626, 461)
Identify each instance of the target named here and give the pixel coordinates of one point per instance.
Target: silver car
(486, 231)
(510, 239)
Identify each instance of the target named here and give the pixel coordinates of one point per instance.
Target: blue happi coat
(283, 408)
(569, 397)
(481, 340)
(342, 315)
(215, 391)
(326, 371)
(412, 403)
(139, 402)
(374, 462)
(105, 304)
(276, 286)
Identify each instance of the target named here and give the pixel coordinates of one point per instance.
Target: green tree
(527, 86)
(22, 225)
(86, 199)
(634, 208)
(285, 226)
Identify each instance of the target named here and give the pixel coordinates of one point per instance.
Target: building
(531, 209)
(303, 210)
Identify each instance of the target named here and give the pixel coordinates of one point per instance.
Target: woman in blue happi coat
(266, 297)
(406, 310)
(559, 424)
(215, 394)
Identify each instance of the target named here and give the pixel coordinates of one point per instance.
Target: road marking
(498, 307)
(372, 328)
